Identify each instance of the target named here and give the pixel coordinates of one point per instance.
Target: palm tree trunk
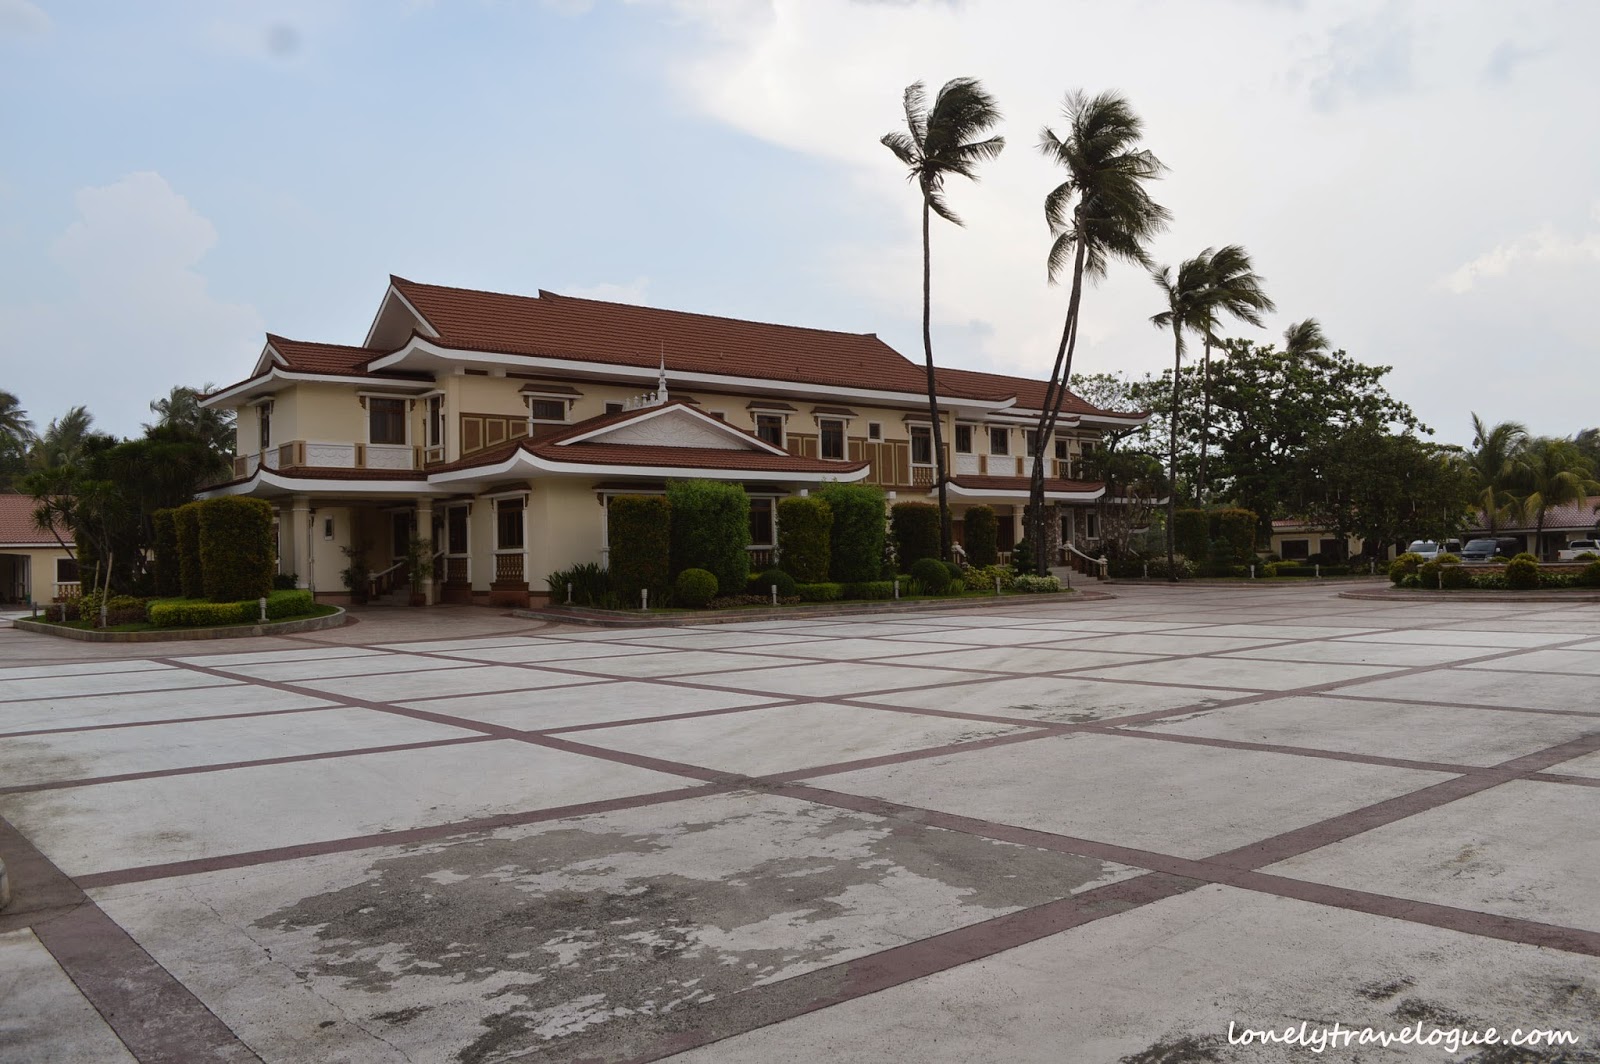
(933, 389)
(1055, 391)
(1205, 420)
(1172, 453)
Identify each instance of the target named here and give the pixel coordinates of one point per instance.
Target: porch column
(297, 537)
(424, 534)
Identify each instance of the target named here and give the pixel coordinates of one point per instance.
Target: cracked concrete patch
(595, 933)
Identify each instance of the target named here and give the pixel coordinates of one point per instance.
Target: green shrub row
(641, 547)
(856, 536)
(1521, 573)
(189, 613)
(711, 529)
(805, 537)
(981, 529)
(164, 544)
(1038, 583)
(915, 528)
(186, 527)
(236, 550)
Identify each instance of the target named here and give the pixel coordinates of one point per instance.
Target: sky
(177, 178)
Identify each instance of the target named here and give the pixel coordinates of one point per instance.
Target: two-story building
(498, 427)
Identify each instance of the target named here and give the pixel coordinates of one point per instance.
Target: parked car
(1480, 550)
(1426, 548)
(1577, 547)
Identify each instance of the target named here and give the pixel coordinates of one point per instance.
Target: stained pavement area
(1056, 831)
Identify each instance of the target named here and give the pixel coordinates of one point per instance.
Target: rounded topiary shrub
(1522, 573)
(980, 527)
(694, 588)
(1589, 575)
(1525, 556)
(785, 583)
(1454, 577)
(236, 554)
(805, 525)
(931, 574)
(1405, 565)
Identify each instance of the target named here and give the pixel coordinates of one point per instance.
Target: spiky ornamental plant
(1099, 213)
(1185, 291)
(1234, 290)
(938, 142)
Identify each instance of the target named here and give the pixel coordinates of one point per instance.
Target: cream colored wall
(41, 564)
(565, 528)
(327, 556)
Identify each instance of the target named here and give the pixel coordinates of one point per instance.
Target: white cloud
(1543, 246)
(20, 17)
(136, 316)
(633, 291)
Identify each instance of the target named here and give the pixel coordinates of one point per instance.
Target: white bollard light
(997, 583)
(774, 594)
(1252, 572)
(897, 588)
(569, 592)
(262, 602)
(1319, 570)
(644, 598)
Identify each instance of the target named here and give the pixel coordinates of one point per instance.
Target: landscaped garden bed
(1521, 573)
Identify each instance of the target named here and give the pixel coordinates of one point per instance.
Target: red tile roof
(17, 527)
(305, 357)
(1578, 515)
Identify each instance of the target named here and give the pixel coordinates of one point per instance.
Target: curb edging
(238, 631)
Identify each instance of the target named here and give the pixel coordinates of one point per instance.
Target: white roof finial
(661, 391)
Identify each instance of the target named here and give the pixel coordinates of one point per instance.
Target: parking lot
(1063, 830)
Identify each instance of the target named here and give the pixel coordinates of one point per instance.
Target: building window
(264, 415)
(613, 408)
(508, 524)
(963, 439)
(832, 438)
(1031, 441)
(436, 421)
(1061, 450)
(1333, 549)
(327, 528)
(66, 570)
(547, 410)
(874, 430)
(386, 420)
(921, 445)
(770, 428)
(761, 523)
(455, 530)
(1091, 525)
(999, 440)
(1296, 550)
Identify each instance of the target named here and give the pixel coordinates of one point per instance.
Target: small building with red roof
(36, 564)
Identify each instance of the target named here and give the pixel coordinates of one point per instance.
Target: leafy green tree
(1185, 292)
(936, 144)
(181, 410)
(1101, 212)
(16, 437)
(1386, 487)
(1494, 463)
(1235, 290)
(1553, 473)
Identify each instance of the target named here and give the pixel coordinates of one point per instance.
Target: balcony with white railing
(298, 453)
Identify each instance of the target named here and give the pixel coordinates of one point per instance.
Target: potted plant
(357, 577)
(419, 566)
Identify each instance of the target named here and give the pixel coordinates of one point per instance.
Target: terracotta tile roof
(16, 523)
(305, 357)
(559, 326)
(326, 473)
(1577, 515)
(1022, 484)
(1030, 393)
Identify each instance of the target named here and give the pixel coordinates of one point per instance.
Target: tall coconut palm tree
(181, 410)
(1235, 290)
(939, 142)
(62, 439)
(1305, 338)
(1186, 292)
(1555, 473)
(15, 427)
(1101, 212)
(1494, 464)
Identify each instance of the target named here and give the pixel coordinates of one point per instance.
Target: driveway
(1055, 831)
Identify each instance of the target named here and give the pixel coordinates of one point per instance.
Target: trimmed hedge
(1038, 584)
(694, 588)
(805, 531)
(855, 542)
(186, 523)
(1405, 565)
(164, 537)
(761, 584)
(870, 589)
(982, 579)
(711, 530)
(980, 525)
(820, 592)
(915, 527)
(236, 555)
(1589, 575)
(1454, 577)
(1235, 539)
(931, 574)
(1522, 573)
(641, 551)
(190, 613)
